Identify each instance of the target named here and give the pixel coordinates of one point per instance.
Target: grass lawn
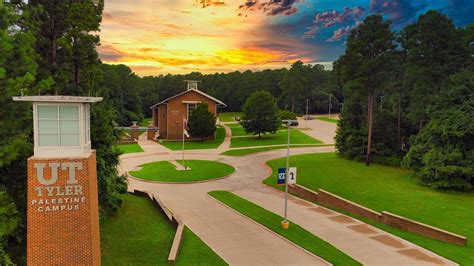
(238, 130)
(234, 125)
(200, 170)
(228, 117)
(280, 137)
(327, 119)
(295, 233)
(130, 148)
(243, 152)
(196, 144)
(390, 189)
(140, 235)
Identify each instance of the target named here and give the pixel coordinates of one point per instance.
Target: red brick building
(168, 115)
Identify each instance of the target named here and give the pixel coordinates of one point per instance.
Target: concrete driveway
(318, 129)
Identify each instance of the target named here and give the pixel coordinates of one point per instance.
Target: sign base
(62, 211)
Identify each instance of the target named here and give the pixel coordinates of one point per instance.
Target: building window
(87, 121)
(191, 107)
(58, 126)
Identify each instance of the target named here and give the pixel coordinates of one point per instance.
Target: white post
(287, 171)
(182, 157)
(329, 105)
(306, 114)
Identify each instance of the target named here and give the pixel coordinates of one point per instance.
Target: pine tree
(434, 51)
(17, 74)
(366, 67)
(66, 45)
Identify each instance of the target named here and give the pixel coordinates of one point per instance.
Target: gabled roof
(184, 92)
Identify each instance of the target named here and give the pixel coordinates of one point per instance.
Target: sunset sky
(156, 37)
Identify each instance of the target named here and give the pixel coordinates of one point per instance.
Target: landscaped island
(200, 170)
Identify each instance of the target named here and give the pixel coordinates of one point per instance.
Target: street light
(306, 118)
(285, 224)
(329, 107)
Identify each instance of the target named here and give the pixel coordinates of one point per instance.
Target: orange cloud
(159, 37)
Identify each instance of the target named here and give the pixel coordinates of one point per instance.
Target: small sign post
(292, 177)
(281, 176)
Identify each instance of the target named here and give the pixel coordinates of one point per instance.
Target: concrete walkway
(239, 240)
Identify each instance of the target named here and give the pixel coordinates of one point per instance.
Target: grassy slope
(228, 117)
(243, 152)
(200, 170)
(130, 148)
(295, 233)
(140, 235)
(281, 137)
(390, 189)
(196, 145)
(327, 119)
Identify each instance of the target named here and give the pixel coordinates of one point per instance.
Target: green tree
(434, 51)
(293, 83)
(66, 45)
(17, 73)
(260, 114)
(286, 115)
(442, 155)
(66, 41)
(202, 123)
(366, 65)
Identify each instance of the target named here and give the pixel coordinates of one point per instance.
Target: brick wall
(422, 229)
(177, 109)
(332, 200)
(63, 217)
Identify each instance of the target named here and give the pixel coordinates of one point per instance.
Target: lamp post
(285, 224)
(329, 107)
(306, 118)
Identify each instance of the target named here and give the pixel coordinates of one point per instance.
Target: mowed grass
(140, 235)
(394, 190)
(238, 130)
(229, 117)
(295, 233)
(280, 137)
(196, 144)
(165, 171)
(130, 148)
(327, 119)
(243, 152)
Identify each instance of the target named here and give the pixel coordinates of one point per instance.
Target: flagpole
(182, 158)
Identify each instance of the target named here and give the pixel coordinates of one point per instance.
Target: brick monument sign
(62, 210)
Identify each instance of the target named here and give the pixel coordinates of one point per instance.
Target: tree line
(408, 98)
(132, 95)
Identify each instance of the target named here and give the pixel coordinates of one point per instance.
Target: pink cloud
(271, 7)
